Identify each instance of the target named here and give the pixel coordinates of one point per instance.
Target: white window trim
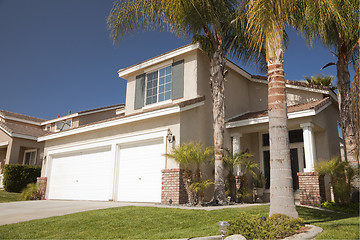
(28, 151)
(157, 94)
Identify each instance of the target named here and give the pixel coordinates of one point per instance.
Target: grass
(9, 197)
(163, 223)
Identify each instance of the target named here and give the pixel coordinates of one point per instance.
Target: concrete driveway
(14, 212)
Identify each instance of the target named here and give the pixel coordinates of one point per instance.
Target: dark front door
(294, 167)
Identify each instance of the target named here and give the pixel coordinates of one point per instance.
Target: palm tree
(336, 24)
(215, 24)
(321, 80)
(266, 26)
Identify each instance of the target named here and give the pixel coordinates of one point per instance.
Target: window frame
(59, 130)
(158, 86)
(30, 151)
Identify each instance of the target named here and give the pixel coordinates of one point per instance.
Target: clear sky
(57, 56)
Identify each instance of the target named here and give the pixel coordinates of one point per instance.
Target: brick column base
(312, 188)
(41, 183)
(173, 189)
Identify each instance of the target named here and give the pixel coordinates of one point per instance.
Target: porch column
(309, 146)
(236, 149)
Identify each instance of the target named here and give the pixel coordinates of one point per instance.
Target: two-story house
(168, 102)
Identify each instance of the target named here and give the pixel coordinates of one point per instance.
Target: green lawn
(9, 197)
(160, 223)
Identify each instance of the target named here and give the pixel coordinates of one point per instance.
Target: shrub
(275, 227)
(31, 192)
(17, 177)
(352, 208)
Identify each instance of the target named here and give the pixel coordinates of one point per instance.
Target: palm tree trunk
(281, 191)
(217, 77)
(344, 100)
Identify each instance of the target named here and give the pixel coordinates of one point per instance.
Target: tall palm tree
(215, 25)
(266, 26)
(336, 24)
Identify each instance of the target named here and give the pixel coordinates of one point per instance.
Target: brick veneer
(173, 189)
(41, 183)
(312, 188)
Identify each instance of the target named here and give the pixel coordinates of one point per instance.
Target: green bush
(275, 227)
(352, 208)
(17, 177)
(31, 192)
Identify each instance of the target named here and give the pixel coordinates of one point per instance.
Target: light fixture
(170, 137)
(223, 228)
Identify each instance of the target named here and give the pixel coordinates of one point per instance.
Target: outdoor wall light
(223, 228)
(170, 137)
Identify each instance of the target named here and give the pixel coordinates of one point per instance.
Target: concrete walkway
(14, 212)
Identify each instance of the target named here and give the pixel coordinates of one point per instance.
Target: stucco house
(168, 102)
(19, 133)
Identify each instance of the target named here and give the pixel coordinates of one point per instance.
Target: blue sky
(57, 56)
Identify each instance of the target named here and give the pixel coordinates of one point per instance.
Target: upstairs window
(158, 85)
(63, 125)
(161, 85)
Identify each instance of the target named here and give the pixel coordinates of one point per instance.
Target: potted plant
(259, 186)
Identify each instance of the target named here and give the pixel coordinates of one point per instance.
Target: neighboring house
(168, 102)
(19, 133)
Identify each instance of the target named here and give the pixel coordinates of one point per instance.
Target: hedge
(17, 177)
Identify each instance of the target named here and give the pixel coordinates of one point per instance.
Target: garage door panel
(85, 176)
(140, 171)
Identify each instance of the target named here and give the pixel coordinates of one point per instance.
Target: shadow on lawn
(319, 216)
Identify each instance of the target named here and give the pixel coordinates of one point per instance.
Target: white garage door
(140, 168)
(83, 176)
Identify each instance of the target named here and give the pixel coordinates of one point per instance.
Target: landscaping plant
(277, 226)
(191, 155)
(31, 192)
(342, 175)
(17, 177)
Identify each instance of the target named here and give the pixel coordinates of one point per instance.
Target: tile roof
(24, 129)
(21, 116)
(294, 108)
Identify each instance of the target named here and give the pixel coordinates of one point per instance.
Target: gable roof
(294, 111)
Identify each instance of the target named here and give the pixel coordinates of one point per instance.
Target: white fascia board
(159, 59)
(120, 111)
(253, 121)
(3, 144)
(237, 69)
(24, 136)
(112, 123)
(195, 105)
(60, 119)
(143, 116)
(7, 132)
(21, 120)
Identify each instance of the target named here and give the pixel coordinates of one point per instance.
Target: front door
(294, 167)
